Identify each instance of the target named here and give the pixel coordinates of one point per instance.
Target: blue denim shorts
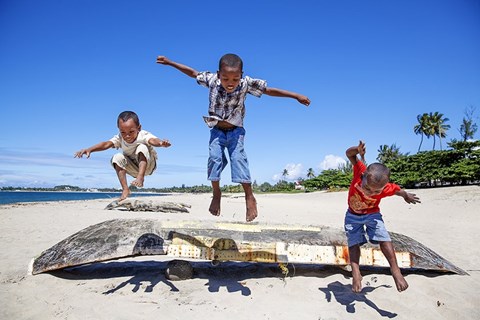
(357, 225)
(233, 141)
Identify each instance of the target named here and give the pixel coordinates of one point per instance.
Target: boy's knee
(119, 160)
(142, 153)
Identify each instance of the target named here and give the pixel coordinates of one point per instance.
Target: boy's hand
(165, 143)
(303, 100)
(362, 150)
(411, 198)
(163, 60)
(82, 152)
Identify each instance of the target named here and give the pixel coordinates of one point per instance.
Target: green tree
(388, 153)
(421, 128)
(284, 173)
(310, 173)
(468, 128)
(438, 127)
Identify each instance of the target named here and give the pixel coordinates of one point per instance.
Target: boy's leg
(216, 163)
(389, 252)
(355, 231)
(240, 170)
(119, 163)
(142, 167)
(217, 197)
(250, 201)
(122, 177)
(354, 252)
(145, 164)
(377, 232)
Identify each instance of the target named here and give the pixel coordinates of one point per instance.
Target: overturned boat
(228, 241)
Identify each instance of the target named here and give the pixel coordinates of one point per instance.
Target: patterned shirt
(226, 106)
(358, 202)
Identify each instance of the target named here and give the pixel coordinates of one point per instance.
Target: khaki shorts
(130, 164)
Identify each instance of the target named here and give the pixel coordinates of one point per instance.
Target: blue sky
(68, 68)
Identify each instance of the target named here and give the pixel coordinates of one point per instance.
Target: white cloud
(331, 162)
(295, 171)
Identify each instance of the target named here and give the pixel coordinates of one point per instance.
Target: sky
(68, 68)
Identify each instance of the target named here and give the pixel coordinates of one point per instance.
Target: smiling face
(230, 77)
(129, 130)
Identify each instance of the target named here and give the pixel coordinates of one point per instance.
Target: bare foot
(400, 281)
(124, 195)
(251, 208)
(215, 205)
(357, 283)
(138, 182)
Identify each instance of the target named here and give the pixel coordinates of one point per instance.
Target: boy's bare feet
(251, 203)
(217, 197)
(357, 282)
(400, 281)
(138, 182)
(124, 195)
(215, 205)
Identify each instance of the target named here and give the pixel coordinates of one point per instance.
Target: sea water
(9, 197)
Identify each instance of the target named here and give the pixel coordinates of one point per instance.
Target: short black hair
(378, 173)
(230, 60)
(127, 115)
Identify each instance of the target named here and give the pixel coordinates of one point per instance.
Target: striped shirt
(226, 106)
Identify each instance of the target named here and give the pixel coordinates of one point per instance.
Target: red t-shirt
(358, 202)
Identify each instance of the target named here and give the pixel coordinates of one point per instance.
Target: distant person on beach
(369, 185)
(228, 91)
(138, 158)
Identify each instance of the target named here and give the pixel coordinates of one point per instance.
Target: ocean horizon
(12, 197)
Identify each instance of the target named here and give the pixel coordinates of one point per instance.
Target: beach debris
(134, 204)
(228, 241)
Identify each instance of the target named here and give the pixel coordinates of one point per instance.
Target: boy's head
(375, 178)
(129, 126)
(230, 71)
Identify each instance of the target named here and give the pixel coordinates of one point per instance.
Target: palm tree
(388, 153)
(284, 173)
(310, 173)
(438, 126)
(421, 127)
(468, 127)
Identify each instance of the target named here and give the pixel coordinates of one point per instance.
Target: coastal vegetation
(458, 164)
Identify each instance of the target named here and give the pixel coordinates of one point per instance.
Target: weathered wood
(134, 204)
(220, 241)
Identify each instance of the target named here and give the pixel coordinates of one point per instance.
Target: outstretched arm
(181, 67)
(353, 151)
(275, 92)
(98, 147)
(408, 197)
(156, 142)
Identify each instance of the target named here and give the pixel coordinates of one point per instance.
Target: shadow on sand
(233, 277)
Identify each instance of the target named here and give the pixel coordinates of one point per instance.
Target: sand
(446, 221)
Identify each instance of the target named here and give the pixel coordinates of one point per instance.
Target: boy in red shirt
(368, 187)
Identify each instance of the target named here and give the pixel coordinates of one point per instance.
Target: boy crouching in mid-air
(138, 158)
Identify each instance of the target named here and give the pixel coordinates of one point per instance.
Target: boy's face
(128, 130)
(230, 77)
(369, 188)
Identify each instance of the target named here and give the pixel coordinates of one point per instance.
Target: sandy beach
(136, 288)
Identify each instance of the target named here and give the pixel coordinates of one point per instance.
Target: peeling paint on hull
(227, 241)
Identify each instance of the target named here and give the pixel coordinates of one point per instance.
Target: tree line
(459, 165)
